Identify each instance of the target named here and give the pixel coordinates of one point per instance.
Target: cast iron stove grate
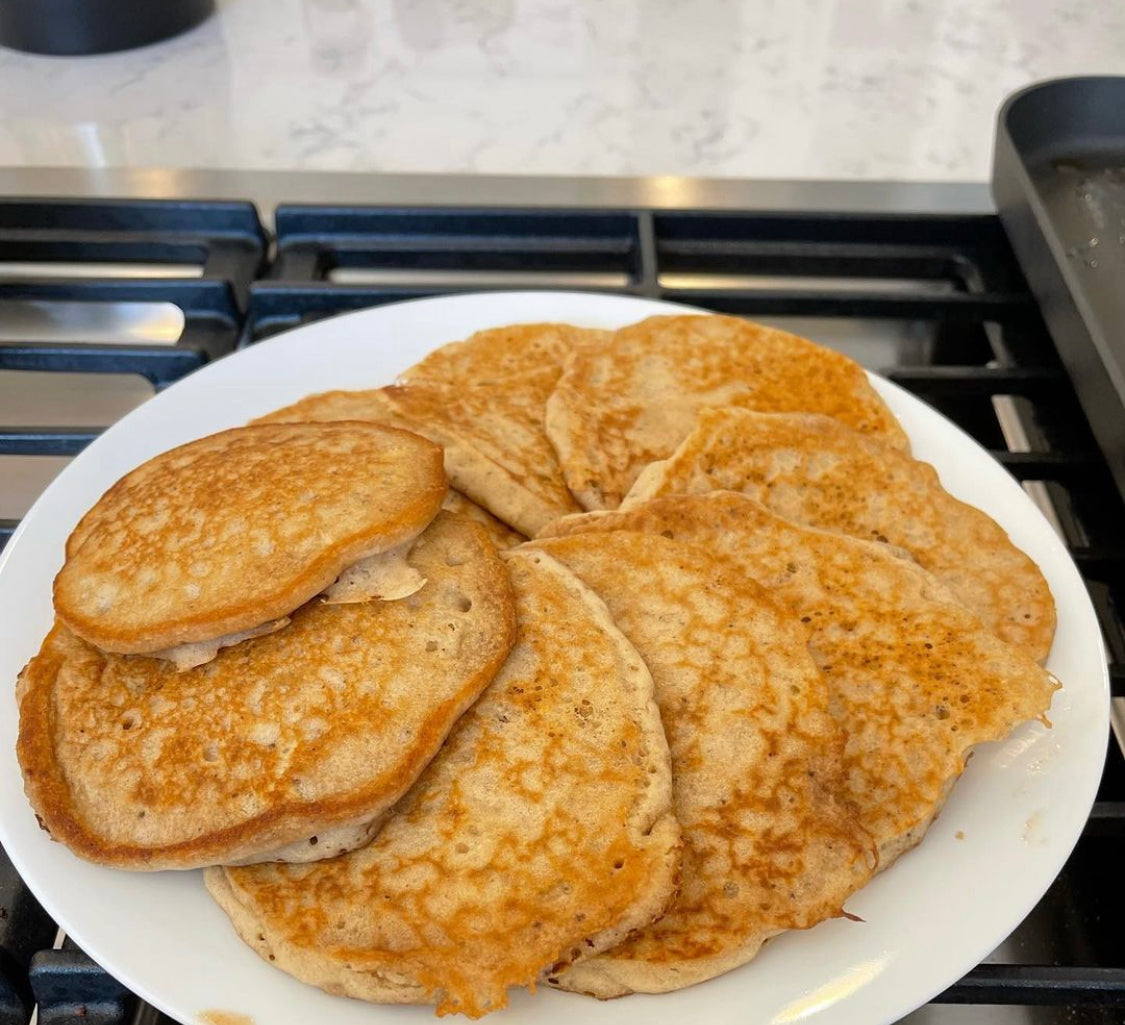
(935, 302)
(159, 288)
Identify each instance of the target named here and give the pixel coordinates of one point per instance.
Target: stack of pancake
(693, 649)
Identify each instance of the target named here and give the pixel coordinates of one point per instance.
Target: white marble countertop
(897, 89)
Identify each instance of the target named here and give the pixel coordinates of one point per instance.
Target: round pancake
(814, 470)
(502, 535)
(373, 406)
(618, 407)
(484, 400)
(541, 833)
(496, 448)
(321, 726)
(769, 842)
(914, 677)
(370, 405)
(503, 352)
(237, 529)
(496, 453)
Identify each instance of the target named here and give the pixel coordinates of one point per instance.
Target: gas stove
(104, 301)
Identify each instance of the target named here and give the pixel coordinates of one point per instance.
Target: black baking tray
(1058, 179)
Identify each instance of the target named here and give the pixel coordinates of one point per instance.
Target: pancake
(502, 352)
(372, 405)
(501, 534)
(620, 406)
(495, 449)
(236, 530)
(541, 833)
(814, 470)
(369, 405)
(483, 400)
(757, 773)
(319, 727)
(914, 677)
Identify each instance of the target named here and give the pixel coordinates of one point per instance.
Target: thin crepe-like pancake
(232, 531)
(814, 470)
(618, 407)
(321, 726)
(541, 833)
(769, 844)
(374, 405)
(915, 678)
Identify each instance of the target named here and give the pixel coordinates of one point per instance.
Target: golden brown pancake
(502, 352)
(502, 535)
(496, 451)
(814, 470)
(372, 405)
(321, 726)
(238, 529)
(325, 407)
(618, 407)
(483, 401)
(769, 843)
(540, 834)
(914, 677)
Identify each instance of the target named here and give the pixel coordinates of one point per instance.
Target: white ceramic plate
(1004, 835)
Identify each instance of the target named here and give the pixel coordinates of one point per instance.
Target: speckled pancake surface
(914, 677)
(502, 535)
(368, 404)
(622, 405)
(484, 400)
(373, 405)
(541, 833)
(237, 529)
(496, 451)
(502, 353)
(814, 470)
(757, 761)
(321, 726)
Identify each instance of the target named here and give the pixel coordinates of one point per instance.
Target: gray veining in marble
(889, 89)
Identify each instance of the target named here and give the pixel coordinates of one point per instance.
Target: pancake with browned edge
(374, 405)
(914, 677)
(368, 404)
(769, 842)
(619, 406)
(502, 353)
(230, 533)
(814, 470)
(484, 401)
(496, 450)
(502, 535)
(290, 745)
(542, 832)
